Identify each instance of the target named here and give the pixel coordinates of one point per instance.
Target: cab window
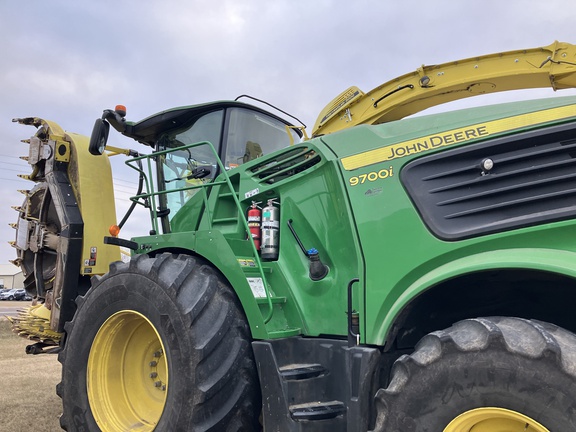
(178, 166)
(251, 135)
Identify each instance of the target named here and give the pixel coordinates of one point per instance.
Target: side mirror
(99, 137)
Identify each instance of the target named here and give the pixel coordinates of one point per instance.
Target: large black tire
(209, 379)
(525, 367)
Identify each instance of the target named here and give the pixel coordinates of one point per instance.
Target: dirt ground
(28, 400)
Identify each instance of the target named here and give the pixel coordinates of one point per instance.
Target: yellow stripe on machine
(455, 136)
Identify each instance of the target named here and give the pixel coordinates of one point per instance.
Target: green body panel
(402, 257)
(316, 202)
(362, 222)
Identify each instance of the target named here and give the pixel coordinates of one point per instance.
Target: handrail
(226, 181)
(551, 66)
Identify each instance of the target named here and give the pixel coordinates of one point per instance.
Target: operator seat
(253, 151)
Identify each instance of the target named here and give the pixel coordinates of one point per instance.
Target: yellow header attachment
(428, 86)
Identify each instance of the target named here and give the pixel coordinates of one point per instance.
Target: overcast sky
(68, 60)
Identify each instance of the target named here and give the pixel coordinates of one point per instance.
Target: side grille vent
(511, 182)
(286, 164)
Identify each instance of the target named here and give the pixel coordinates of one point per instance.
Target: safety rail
(148, 199)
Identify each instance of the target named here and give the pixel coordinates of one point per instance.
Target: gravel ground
(10, 308)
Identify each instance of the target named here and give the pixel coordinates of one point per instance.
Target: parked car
(7, 294)
(20, 294)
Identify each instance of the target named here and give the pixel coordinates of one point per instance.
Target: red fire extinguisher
(255, 223)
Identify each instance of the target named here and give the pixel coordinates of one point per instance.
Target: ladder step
(317, 410)
(301, 371)
(224, 220)
(255, 270)
(274, 300)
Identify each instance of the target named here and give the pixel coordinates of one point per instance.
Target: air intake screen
(286, 164)
(511, 182)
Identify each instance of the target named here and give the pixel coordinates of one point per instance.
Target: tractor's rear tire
(486, 374)
(159, 344)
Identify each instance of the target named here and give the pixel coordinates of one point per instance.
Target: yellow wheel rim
(494, 420)
(127, 374)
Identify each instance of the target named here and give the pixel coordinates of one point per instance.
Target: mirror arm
(116, 120)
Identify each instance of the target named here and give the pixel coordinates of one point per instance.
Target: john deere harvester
(388, 274)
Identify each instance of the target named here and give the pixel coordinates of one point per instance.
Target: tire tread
(530, 340)
(226, 395)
